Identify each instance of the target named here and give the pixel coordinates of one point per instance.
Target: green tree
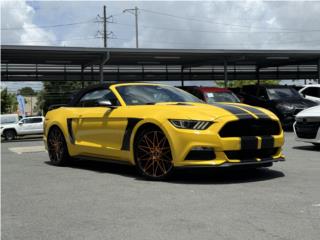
(8, 101)
(57, 93)
(27, 91)
(240, 83)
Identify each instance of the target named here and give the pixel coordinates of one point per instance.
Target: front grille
(250, 127)
(251, 155)
(307, 129)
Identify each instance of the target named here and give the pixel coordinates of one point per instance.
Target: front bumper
(228, 151)
(234, 164)
(307, 133)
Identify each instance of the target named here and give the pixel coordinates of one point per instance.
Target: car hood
(8, 125)
(198, 111)
(296, 103)
(310, 112)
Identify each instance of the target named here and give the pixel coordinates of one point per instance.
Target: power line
(50, 26)
(204, 31)
(220, 23)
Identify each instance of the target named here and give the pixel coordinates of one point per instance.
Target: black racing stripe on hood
(256, 111)
(240, 113)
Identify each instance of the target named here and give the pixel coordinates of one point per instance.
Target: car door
(25, 126)
(98, 130)
(37, 125)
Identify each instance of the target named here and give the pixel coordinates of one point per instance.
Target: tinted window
(312, 91)
(282, 93)
(221, 97)
(92, 98)
(27, 120)
(35, 120)
(150, 94)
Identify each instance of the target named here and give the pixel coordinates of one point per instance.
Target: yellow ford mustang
(158, 127)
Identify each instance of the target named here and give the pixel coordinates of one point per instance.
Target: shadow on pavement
(184, 176)
(23, 139)
(309, 148)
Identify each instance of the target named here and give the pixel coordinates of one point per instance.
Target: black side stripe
(132, 122)
(70, 131)
(255, 111)
(267, 142)
(249, 143)
(241, 114)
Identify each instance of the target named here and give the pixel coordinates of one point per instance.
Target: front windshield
(152, 94)
(213, 97)
(282, 93)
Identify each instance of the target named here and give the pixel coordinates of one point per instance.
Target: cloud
(18, 16)
(168, 24)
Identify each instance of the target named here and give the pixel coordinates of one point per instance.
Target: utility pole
(134, 11)
(105, 20)
(105, 26)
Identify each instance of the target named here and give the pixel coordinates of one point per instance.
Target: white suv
(26, 126)
(311, 92)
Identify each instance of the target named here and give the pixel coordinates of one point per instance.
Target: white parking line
(31, 149)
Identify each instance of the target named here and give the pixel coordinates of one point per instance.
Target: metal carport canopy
(186, 58)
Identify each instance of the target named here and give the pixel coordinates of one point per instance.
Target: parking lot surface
(96, 200)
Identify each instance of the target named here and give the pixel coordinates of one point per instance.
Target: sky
(164, 24)
(249, 24)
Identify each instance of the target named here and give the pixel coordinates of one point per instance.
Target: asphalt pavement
(96, 200)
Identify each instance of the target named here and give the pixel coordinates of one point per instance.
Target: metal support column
(258, 75)
(105, 59)
(182, 77)
(319, 70)
(82, 79)
(225, 65)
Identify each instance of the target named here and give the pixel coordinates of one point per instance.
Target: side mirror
(105, 103)
(20, 123)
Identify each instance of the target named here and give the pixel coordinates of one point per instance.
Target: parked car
(158, 128)
(307, 125)
(284, 101)
(26, 126)
(212, 94)
(311, 92)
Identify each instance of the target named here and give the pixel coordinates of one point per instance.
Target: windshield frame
(118, 89)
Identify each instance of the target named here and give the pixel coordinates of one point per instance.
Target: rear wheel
(9, 135)
(57, 147)
(153, 154)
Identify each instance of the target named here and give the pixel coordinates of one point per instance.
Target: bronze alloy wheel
(57, 148)
(153, 154)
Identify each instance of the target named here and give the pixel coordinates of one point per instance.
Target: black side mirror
(106, 103)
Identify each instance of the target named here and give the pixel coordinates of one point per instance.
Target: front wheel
(9, 135)
(153, 154)
(57, 147)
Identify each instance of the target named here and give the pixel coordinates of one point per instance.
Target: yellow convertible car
(158, 128)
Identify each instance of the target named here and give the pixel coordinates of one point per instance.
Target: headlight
(190, 124)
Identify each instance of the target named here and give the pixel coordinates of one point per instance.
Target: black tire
(10, 134)
(57, 147)
(152, 153)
